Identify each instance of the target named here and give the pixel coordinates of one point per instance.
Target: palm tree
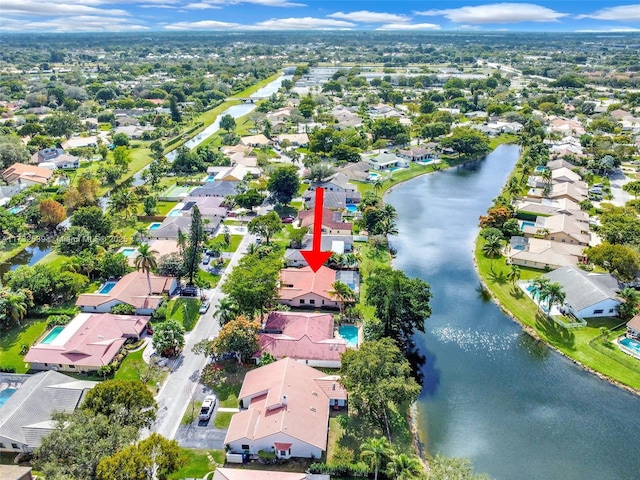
(15, 304)
(342, 293)
(492, 248)
(538, 289)
(629, 307)
(404, 467)
(555, 296)
(182, 242)
(542, 232)
(377, 186)
(123, 201)
(514, 274)
(226, 311)
(147, 261)
(375, 450)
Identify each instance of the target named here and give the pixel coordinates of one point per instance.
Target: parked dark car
(287, 219)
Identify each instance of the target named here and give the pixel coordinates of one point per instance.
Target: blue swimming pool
(5, 394)
(127, 252)
(14, 210)
(52, 335)
(351, 207)
(540, 169)
(631, 344)
(350, 334)
(393, 169)
(210, 178)
(107, 287)
(527, 224)
(174, 213)
(155, 226)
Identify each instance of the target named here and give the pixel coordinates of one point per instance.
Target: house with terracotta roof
(308, 338)
(259, 140)
(285, 410)
(132, 289)
(332, 223)
(304, 288)
(86, 343)
(26, 175)
(25, 418)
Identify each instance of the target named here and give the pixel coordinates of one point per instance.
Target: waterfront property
(132, 289)
(543, 254)
(630, 346)
(304, 288)
(633, 327)
(285, 409)
(331, 222)
(306, 337)
(25, 418)
(87, 343)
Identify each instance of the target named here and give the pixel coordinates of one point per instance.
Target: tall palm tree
(555, 296)
(123, 201)
(514, 274)
(404, 467)
(182, 241)
(342, 293)
(492, 248)
(375, 450)
(377, 186)
(226, 311)
(146, 261)
(15, 304)
(538, 289)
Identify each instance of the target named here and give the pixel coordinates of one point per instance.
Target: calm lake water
(516, 408)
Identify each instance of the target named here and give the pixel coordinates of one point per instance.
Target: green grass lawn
(163, 208)
(185, 311)
(233, 244)
(577, 343)
(192, 412)
(196, 466)
(223, 419)
(12, 340)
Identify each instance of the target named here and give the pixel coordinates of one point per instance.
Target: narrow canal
(516, 408)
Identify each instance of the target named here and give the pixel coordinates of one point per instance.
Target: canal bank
(491, 393)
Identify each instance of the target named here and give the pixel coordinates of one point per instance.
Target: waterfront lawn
(580, 344)
(185, 311)
(196, 466)
(12, 340)
(370, 259)
(9, 250)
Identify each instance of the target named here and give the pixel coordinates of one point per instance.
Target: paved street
(182, 384)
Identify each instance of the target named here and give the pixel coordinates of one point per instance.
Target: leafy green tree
(120, 140)
(444, 468)
(74, 241)
(622, 260)
(405, 467)
(176, 114)
(250, 199)
(93, 219)
(123, 201)
(193, 253)
(51, 212)
(376, 375)
(401, 303)
(14, 305)
(228, 123)
(307, 106)
(78, 443)
(47, 283)
(633, 188)
(168, 337)
(112, 265)
(318, 173)
(466, 141)
(12, 151)
(150, 205)
(284, 184)
(122, 157)
(629, 307)
(266, 225)
(153, 458)
(253, 284)
(387, 128)
(375, 451)
(125, 402)
(62, 124)
(323, 140)
(240, 336)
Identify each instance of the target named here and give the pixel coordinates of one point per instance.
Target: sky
(388, 15)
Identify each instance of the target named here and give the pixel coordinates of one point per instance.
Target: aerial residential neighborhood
(163, 197)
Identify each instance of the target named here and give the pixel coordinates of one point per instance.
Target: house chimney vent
(284, 400)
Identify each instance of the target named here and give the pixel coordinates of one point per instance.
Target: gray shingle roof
(22, 416)
(584, 289)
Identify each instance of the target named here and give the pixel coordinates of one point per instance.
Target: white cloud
(38, 8)
(409, 26)
(202, 25)
(611, 30)
(624, 13)
(80, 23)
(304, 23)
(497, 13)
(371, 17)
(200, 6)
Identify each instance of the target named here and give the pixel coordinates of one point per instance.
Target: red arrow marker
(314, 257)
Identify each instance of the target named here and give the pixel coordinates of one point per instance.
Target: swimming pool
(174, 213)
(52, 335)
(155, 226)
(540, 168)
(106, 288)
(393, 169)
(350, 334)
(14, 210)
(631, 345)
(526, 224)
(210, 178)
(351, 207)
(127, 251)
(5, 394)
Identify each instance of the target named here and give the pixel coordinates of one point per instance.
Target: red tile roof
(330, 219)
(301, 336)
(296, 282)
(132, 289)
(89, 340)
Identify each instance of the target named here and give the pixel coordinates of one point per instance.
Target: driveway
(201, 434)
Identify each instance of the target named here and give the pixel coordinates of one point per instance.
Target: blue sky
(389, 15)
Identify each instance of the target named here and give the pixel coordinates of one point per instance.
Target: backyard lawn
(197, 464)
(581, 344)
(12, 340)
(233, 244)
